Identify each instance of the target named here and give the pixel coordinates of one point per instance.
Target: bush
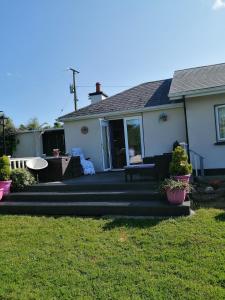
(179, 164)
(20, 179)
(171, 184)
(4, 168)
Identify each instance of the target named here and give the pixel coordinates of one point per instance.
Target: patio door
(105, 144)
(133, 140)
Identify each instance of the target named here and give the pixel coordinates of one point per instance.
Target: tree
(10, 137)
(58, 125)
(33, 124)
(22, 127)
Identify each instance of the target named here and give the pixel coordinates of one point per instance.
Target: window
(220, 122)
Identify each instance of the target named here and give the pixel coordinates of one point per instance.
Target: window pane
(221, 120)
(105, 146)
(134, 140)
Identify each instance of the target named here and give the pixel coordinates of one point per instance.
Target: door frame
(105, 123)
(126, 136)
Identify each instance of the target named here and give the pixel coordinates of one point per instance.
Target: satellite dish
(37, 163)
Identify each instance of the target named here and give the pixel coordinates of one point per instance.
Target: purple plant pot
(1, 194)
(5, 185)
(176, 196)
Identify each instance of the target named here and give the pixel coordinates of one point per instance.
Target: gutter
(125, 112)
(198, 93)
(186, 127)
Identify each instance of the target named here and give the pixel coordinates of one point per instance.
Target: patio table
(136, 169)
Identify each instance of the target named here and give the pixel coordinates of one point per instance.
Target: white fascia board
(198, 93)
(125, 112)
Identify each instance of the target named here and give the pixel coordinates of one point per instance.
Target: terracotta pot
(1, 193)
(5, 185)
(185, 178)
(176, 196)
(56, 152)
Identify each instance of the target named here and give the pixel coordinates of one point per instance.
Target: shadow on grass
(220, 217)
(132, 223)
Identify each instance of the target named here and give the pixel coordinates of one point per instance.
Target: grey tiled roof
(195, 79)
(141, 96)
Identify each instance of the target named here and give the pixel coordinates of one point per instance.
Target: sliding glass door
(133, 139)
(105, 141)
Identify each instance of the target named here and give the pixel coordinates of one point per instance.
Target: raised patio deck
(97, 195)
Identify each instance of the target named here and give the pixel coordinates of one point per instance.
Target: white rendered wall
(29, 144)
(159, 136)
(202, 129)
(90, 143)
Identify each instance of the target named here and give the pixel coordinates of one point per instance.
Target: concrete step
(120, 208)
(65, 187)
(92, 196)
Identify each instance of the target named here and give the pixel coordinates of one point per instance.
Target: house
(31, 143)
(147, 119)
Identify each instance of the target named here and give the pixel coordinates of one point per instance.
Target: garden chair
(86, 164)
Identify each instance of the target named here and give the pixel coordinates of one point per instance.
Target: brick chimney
(98, 95)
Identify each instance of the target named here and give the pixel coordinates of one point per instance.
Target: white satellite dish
(37, 163)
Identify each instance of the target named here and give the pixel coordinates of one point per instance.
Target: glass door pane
(105, 145)
(133, 140)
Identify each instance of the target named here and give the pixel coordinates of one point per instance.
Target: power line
(106, 86)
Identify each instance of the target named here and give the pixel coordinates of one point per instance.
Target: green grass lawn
(75, 258)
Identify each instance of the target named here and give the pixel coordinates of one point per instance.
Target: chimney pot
(98, 87)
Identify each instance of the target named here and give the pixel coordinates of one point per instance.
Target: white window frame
(105, 123)
(217, 107)
(126, 136)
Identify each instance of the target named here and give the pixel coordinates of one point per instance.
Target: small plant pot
(184, 178)
(1, 194)
(56, 152)
(5, 185)
(176, 196)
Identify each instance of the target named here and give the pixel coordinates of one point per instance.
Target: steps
(121, 208)
(92, 199)
(90, 196)
(65, 187)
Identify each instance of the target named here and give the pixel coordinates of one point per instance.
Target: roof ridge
(140, 94)
(93, 104)
(199, 67)
(154, 81)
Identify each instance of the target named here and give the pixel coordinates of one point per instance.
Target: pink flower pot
(1, 194)
(56, 152)
(176, 196)
(5, 185)
(185, 178)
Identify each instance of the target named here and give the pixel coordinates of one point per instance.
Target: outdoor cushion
(87, 165)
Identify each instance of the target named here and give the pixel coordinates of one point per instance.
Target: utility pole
(73, 87)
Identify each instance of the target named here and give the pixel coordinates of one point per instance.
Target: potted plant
(1, 193)
(5, 181)
(180, 168)
(175, 190)
(56, 152)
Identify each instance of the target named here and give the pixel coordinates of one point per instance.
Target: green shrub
(20, 179)
(171, 184)
(179, 164)
(4, 168)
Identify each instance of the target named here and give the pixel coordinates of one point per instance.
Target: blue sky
(118, 43)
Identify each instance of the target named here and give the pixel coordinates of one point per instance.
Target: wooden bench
(136, 169)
